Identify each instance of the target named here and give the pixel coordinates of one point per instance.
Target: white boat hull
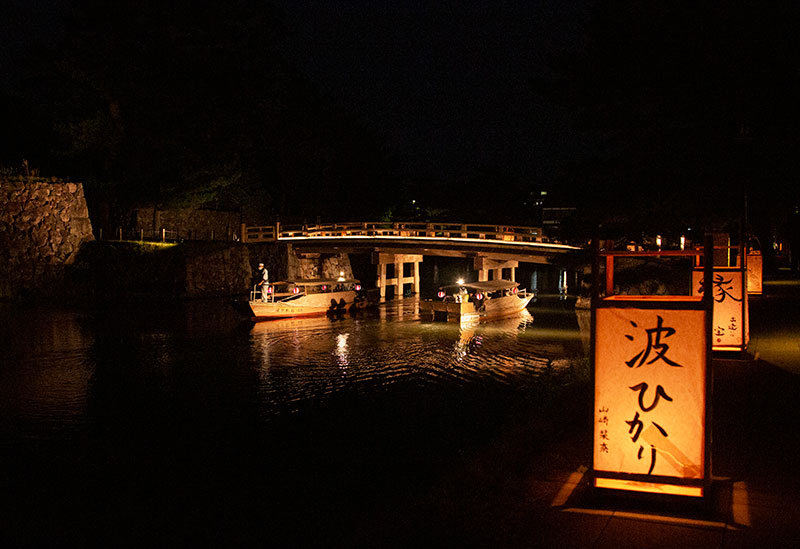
(305, 305)
(498, 307)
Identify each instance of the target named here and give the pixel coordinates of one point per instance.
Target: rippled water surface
(116, 423)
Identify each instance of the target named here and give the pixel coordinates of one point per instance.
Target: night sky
(448, 84)
(641, 115)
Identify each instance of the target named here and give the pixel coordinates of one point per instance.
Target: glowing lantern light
(644, 441)
(358, 287)
(440, 294)
(731, 327)
(324, 287)
(755, 267)
(269, 289)
(652, 386)
(513, 290)
(295, 290)
(479, 295)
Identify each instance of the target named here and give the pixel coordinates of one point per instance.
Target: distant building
(553, 217)
(548, 209)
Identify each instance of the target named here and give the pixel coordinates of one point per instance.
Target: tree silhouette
(187, 104)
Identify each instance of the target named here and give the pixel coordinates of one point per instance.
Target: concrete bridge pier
(399, 279)
(484, 266)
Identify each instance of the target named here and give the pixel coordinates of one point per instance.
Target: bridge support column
(382, 259)
(381, 282)
(483, 265)
(398, 277)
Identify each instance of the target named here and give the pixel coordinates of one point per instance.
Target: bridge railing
(264, 233)
(400, 229)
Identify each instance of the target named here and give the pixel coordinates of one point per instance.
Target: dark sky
(448, 84)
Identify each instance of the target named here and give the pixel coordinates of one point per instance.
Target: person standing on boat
(263, 281)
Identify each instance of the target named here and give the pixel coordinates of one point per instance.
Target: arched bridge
(493, 248)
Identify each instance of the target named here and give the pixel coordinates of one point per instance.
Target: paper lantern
(651, 372)
(730, 326)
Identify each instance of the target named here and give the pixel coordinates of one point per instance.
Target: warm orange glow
(568, 488)
(650, 395)
(651, 487)
(755, 265)
(655, 298)
(730, 329)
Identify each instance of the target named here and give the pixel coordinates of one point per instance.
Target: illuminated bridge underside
(530, 252)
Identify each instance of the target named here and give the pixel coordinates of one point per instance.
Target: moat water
(172, 424)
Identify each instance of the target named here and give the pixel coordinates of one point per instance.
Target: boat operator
(263, 281)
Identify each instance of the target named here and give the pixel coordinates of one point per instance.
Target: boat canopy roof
(316, 281)
(486, 286)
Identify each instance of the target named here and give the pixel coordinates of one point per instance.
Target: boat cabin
(477, 300)
(286, 290)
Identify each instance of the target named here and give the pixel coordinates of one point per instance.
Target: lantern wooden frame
(696, 484)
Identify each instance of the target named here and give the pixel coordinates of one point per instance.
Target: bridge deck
(500, 238)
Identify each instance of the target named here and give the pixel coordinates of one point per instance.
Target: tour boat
(309, 297)
(468, 301)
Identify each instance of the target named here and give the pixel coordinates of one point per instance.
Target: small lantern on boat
(479, 296)
(324, 287)
(295, 290)
(514, 290)
(358, 287)
(440, 294)
(269, 289)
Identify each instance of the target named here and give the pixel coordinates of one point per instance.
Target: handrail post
(609, 270)
(243, 230)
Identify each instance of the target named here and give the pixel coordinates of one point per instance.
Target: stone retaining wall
(217, 272)
(42, 226)
(228, 270)
(318, 265)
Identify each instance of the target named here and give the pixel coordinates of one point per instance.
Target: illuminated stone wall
(317, 265)
(217, 272)
(42, 226)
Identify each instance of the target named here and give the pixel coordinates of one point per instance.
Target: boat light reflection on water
(311, 358)
(341, 349)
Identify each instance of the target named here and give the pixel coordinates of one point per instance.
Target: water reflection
(44, 378)
(146, 411)
(58, 362)
(302, 359)
(341, 349)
